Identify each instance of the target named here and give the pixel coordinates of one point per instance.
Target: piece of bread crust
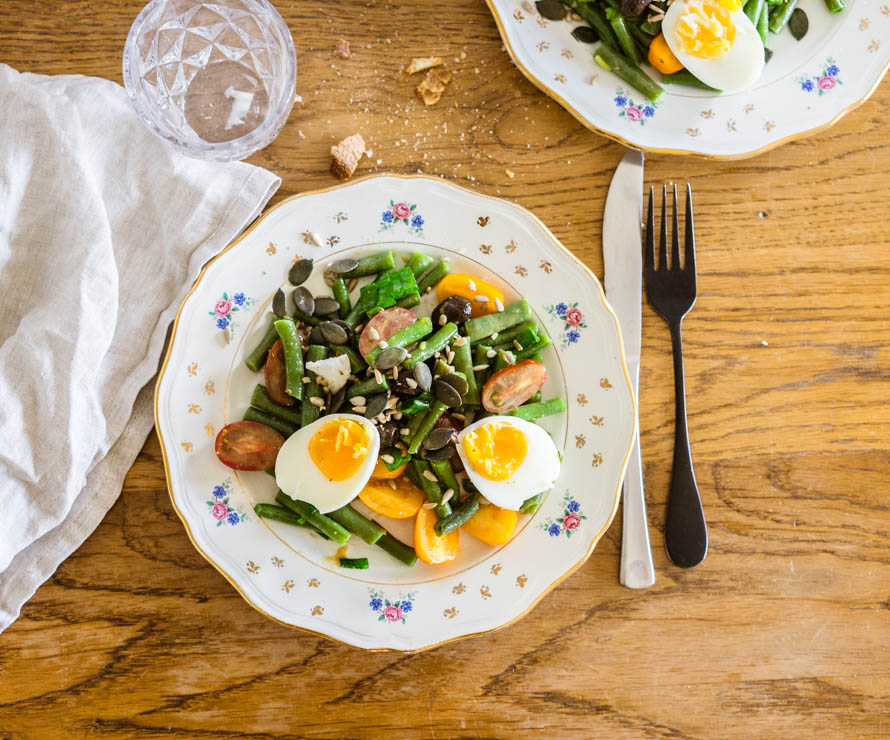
(433, 85)
(419, 64)
(345, 156)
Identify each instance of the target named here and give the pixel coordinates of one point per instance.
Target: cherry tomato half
(247, 445)
(385, 323)
(513, 385)
(276, 376)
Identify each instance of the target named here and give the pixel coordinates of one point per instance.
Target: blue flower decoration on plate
(233, 517)
(807, 85)
(620, 101)
(417, 221)
(407, 606)
(219, 492)
(561, 309)
(573, 506)
(387, 217)
(553, 530)
(239, 299)
(832, 71)
(573, 336)
(222, 323)
(376, 604)
(648, 111)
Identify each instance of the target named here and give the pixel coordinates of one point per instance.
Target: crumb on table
(341, 49)
(419, 64)
(433, 85)
(345, 156)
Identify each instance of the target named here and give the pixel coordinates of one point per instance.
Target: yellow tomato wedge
(399, 502)
(492, 524)
(471, 288)
(429, 546)
(662, 58)
(381, 472)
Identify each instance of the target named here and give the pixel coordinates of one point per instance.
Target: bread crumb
(345, 156)
(433, 85)
(419, 64)
(341, 49)
(510, 174)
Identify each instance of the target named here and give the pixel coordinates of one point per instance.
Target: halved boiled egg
(715, 41)
(329, 461)
(508, 459)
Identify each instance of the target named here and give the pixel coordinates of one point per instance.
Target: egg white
(536, 473)
(299, 477)
(737, 70)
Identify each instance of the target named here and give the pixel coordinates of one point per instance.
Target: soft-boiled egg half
(508, 459)
(329, 461)
(715, 41)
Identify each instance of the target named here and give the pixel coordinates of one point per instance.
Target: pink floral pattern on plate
(402, 213)
(226, 307)
(391, 611)
(221, 509)
(822, 83)
(569, 521)
(572, 320)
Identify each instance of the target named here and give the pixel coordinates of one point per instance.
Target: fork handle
(685, 531)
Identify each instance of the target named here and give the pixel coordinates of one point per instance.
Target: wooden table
(783, 631)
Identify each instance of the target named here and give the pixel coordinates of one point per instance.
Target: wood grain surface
(784, 631)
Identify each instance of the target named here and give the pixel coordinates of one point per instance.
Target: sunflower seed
(423, 376)
(404, 431)
(481, 299)
(359, 409)
(316, 401)
(347, 264)
(300, 271)
(438, 438)
(430, 477)
(430, 505)
(443, 453)
(446, 393)
(447, 496)
(490, 354)
(457, 382)
(460, 341)
(333, 333)
(373, 334)
(337, 400)
(388, 459)
(279, 304)
(325, 306)
(303, 301)
(358, 400)
(377, 376)
(375, 406)
(390, 358)
(392, 484)
(411, 383)
(498, 303)
(480, 368)
(471, 285)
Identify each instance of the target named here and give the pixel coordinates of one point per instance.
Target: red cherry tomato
(276, 376)
(385, 323)
(247, 445)
(513, 386)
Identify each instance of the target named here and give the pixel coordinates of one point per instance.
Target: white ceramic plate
(287, 572)
(806, 86)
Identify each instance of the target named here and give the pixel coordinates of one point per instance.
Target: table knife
(623, 258)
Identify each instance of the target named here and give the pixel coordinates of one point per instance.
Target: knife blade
(623, 259)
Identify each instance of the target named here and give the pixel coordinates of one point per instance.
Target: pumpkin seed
(799, 23)
(316, 336)
(303, 301)
(325, 306)
(457, 382)
(446, 393)
(300, 272)
(443, 453)
(332, 333)
(347, 264)
(767, 54)
(337, 400)
(279, 304)
(585, 34)
(375, 405)
(390, 357)
(423, 376)
(552, 10)
(438, 438)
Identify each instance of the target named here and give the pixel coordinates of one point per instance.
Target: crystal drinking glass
(216, 79)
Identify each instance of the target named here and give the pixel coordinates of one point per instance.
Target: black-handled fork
(671, 290)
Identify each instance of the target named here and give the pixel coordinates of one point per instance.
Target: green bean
(435, 343)
(494, 323)
(419, 263)
(261, 417)
(354, 317)
(753, 9)
(433, 277)
(414, 408)
(307, 511)
(398, 549)
(529, 352)
(610, 59)
(463, 363)
(431, 488)
(480, 357)
(781, 15)
(414, 423)
(293, 357)
(280, 514)
(685, 77)
(651, 28)
(534, 411)
(260, 399)
(371, 265)
(500, 362)
(256, 359)
(341, 294)
(402, 338)
(409, 301)
(763, 24)
(596, 18)
(306, 318)
(461, 515)
(534, 399)
(507, 336)
(625, 42)
(531, 504)
(642, 39)
(835, 6)
(311, 412)
(356, 363)
(361, 526)
(368, 387)
(437, 408)
(445, 473)
(354, 563)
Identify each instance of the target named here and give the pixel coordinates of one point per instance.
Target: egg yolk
(495, 450)
(706, 28)
(338, 448)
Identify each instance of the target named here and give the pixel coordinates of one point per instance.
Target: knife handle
(637, 569)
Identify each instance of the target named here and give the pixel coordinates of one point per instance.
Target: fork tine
(690, 234)
(675, 237)
(662, 241)
(650, 233)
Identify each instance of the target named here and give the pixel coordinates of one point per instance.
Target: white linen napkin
(103, 227)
